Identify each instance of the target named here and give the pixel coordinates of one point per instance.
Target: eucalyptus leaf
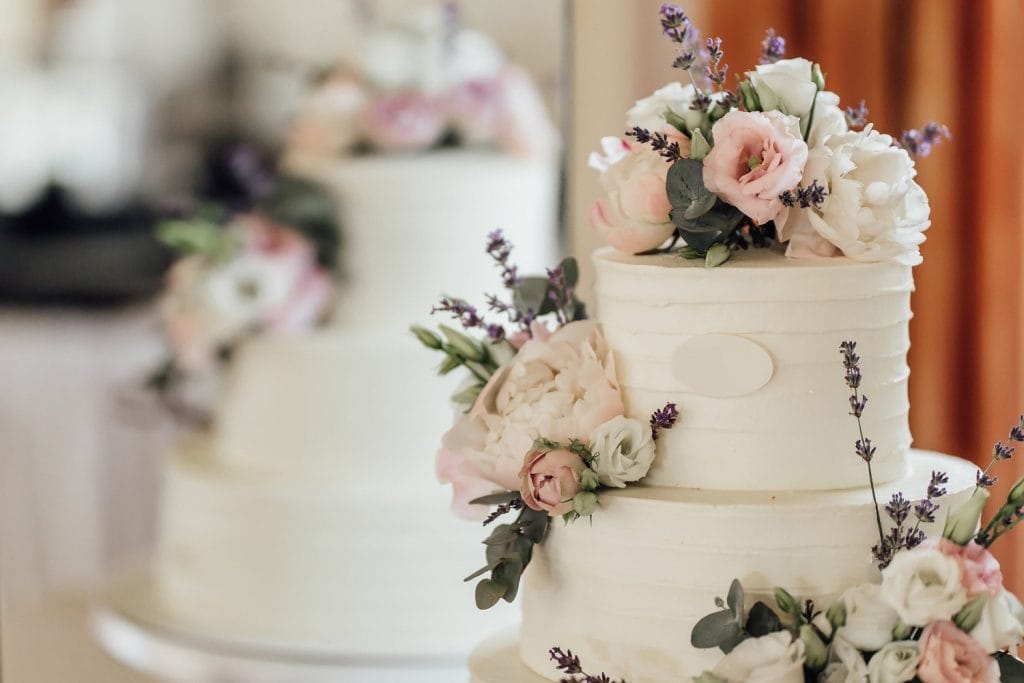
(480, 572)
(571, 270)
(531, 294)
(508, 574)
(699, 146)
(495, 498)
(715, 629)
(735, 599)
(534, 524)
(713, 227)
(762, 620)
(488, 592)
(689, 198)
(1011, 669)
(502, 534)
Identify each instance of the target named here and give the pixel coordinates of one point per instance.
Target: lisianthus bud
(589, 480)
(751, 102)
(817, 76)
(426, 337)
(466, 347)
(969, 616)
(836, 614)
(1016, 495)
(962, 523)
(814, 648)
(786, 602)
(584, 503)
(902, 631)
(717, 255)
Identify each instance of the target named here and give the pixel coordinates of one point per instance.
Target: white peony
(923, 585)
(829, 119)
(785, 85)
(1000, 627)
(774, 658)
(869, 619)
(894, 663)
(874, 211)
(846, 664)
(624, 450)
(675, 97)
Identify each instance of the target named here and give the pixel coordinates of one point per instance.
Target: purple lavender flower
(919, 143)
(460, 310)
(936, 487)
(898, 508)
(565, 661)
(669, 150)
(674, 23)
(663, 418)
(857, 117)
(812, 196)
(773, 47)
(500, 249)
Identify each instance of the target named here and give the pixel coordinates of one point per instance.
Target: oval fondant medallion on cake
(722, 365)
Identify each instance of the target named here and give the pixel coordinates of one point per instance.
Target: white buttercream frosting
(794, 432)
(625, 591)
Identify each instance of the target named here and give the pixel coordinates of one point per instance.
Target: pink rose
(979, 568)
(560, 387)
(403, 122)
(948, 655)
(633, 214)
(550, 480)
(757, 156)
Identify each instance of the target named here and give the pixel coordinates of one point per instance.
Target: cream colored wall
(618, 57)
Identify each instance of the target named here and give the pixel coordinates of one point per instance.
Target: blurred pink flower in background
(404, 121)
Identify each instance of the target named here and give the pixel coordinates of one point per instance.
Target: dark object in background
(54, 254)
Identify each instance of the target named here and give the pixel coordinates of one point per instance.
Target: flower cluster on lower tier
(775, 159)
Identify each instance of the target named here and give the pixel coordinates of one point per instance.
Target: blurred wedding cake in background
(298, 521)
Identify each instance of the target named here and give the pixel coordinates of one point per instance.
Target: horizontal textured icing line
(756, 275)
(657, 557)
(705, 318)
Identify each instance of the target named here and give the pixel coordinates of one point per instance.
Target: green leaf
(676, 121)
(689, 198)
(488, 592)
(495, 498)
(762, 620)
(699, 146)
(715, 629)
(713, 227)
(468, 396)
(480, 572)
(1011, 669)
(689, 253)
(735, 599)
(508, 574)
(717, 255)
(531, 294)
(502, 534)
(534, 524)
(449, 364)
(571, 270)
(197, 236)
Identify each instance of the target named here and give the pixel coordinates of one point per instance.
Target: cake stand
(129, 625)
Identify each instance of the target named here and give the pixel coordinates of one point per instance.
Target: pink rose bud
(550, 480)
(948, 655)
(757, 156)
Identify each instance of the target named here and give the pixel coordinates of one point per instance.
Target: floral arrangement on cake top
(940, 614)
(424, 82)
(774, 160)
(543, 429)
(269, 265)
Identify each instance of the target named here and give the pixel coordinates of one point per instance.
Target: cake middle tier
(625, 589)
(750, 354)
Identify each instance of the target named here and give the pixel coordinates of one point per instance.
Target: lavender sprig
(569, 663)
(773, 47)
(674, 23)
(664, 418)
(460, 310)
(715, 71)
(811, 196)
(857, 117)
(500, 249)
(561, 294)
(863, 447)
(919, 143)
(1002, 450)
(668, 149)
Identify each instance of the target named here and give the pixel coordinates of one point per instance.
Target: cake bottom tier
(316, 567)
(625, 590)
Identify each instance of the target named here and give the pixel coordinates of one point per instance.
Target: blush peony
(633, 214)
(948, 655)
(757, 156)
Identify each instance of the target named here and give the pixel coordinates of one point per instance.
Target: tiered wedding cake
(300, 523)
(713, 422)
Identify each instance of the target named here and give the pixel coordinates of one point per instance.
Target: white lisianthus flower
(623, 449)
(923, 585)
(846, 664)
(894, 663)
(675, 97)
(873, 209)
(774, 658)
(785, 85)
(869, 619)
(999, 628)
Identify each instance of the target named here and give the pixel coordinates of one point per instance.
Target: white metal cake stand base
(496, 660)
(126, 624)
